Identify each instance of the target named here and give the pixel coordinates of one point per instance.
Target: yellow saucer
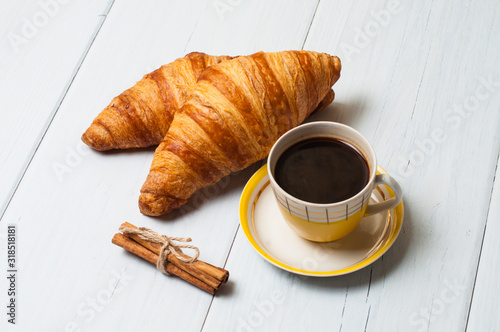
(270, 235)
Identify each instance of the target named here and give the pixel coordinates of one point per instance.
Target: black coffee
(322, 170)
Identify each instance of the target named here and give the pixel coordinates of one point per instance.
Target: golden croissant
(237, 110)
(141, 115)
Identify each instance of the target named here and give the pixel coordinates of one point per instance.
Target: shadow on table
(226, 289)
(135, 151)
(389, 263)
(347, 112)
(229, 185)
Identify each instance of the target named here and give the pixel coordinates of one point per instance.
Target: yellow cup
(331, 221)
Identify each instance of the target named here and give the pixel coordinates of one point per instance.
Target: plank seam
(425, 66)
(482, 242)
(195, 25)
(367, 318)
(310, 25)
(58, 105)
(225, 262)
(224, 266)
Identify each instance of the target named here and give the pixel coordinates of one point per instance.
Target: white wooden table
(420, 80)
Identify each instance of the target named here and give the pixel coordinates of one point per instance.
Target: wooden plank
(42, 46)
(487, 289)
(245, 27)
(72, 200)
(399, 88)
(75, 209)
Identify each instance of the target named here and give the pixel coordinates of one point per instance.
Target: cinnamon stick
(186, 267)
(138, 250)
(201, 269)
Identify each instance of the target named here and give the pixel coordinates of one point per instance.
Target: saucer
(274, 240)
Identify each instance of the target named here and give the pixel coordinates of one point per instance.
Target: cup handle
(390, 203)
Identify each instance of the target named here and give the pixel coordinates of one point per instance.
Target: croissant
(236, 112)
(141, 115)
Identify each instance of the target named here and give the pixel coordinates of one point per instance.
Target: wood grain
(487, 290)
(41, 50)
(408, 85)
(397, 99)
(121, 54)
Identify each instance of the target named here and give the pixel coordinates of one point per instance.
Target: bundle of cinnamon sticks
(198, 273)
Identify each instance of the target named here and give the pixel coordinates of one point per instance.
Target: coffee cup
(322, 175)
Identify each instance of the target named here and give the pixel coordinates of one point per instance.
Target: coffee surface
(322, 170)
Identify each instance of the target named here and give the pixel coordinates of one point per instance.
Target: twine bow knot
(167, 246)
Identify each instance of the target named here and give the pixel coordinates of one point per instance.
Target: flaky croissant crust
(236, 112)
(141, 115)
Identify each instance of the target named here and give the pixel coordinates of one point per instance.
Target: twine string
(167, 246)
